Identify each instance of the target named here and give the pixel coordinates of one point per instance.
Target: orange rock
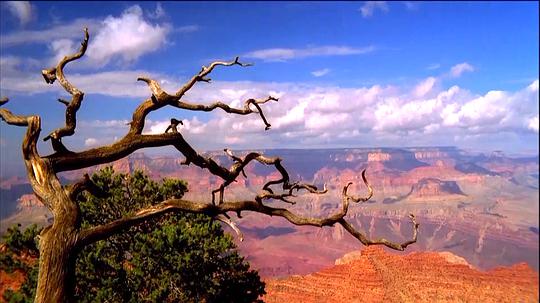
(374, 275)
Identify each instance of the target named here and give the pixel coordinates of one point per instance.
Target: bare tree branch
(175, 205)
(174, 125)
(231, 110)
(382, 241)
(219, 212)
(33, 124)
(57, 73)
(204, 72)
(370, 190)
(161, 98)
(227, 220)
(36, 167)
(86, 184)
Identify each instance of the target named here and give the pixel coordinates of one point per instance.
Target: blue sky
(348, 74)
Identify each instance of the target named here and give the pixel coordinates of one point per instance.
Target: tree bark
(58, 243)
(56, 264)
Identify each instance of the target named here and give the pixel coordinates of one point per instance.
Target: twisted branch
(227, 220)
(36, 167)
(382, 241)
(240, 163)
(204, 72)
(57, 73)
(173, 126)
(86, 184)
(219, 212)
(161, 98)
(246, 110)
(33, 124)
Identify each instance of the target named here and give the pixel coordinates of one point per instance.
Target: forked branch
(57, 73)
(246, 110)
(219, 212)
(201, 76)
(240, 164)
(86, 184)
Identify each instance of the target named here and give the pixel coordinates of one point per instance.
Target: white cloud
(22, 10)
(158, 13)
(458, 69)
(533, 87)
(320, 72)
(533, 124)
(126, 37)
(311, 115)
(61, 48)
(370, 7)
(283, 54)
(90, 142)
(424, 87)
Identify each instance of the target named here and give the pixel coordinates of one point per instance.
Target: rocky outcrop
(432, 188)
(374, 275)
(28, 201)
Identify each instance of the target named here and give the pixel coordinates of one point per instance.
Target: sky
(347, 74)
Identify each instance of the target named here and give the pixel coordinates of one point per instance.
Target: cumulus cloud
(320, 72)
(126, 37)
(309, 115)
(315, 116)
(283, 54)
(370, 7)
(424, 87)
(22, 10)
(332, 116)
(458, 69)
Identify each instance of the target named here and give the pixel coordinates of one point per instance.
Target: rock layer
(377, 276)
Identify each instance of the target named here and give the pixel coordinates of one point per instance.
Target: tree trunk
(56, 264)
(57, 245)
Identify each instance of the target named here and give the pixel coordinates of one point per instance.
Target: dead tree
(60, 242)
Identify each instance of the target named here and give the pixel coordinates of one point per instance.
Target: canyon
(483, 208)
